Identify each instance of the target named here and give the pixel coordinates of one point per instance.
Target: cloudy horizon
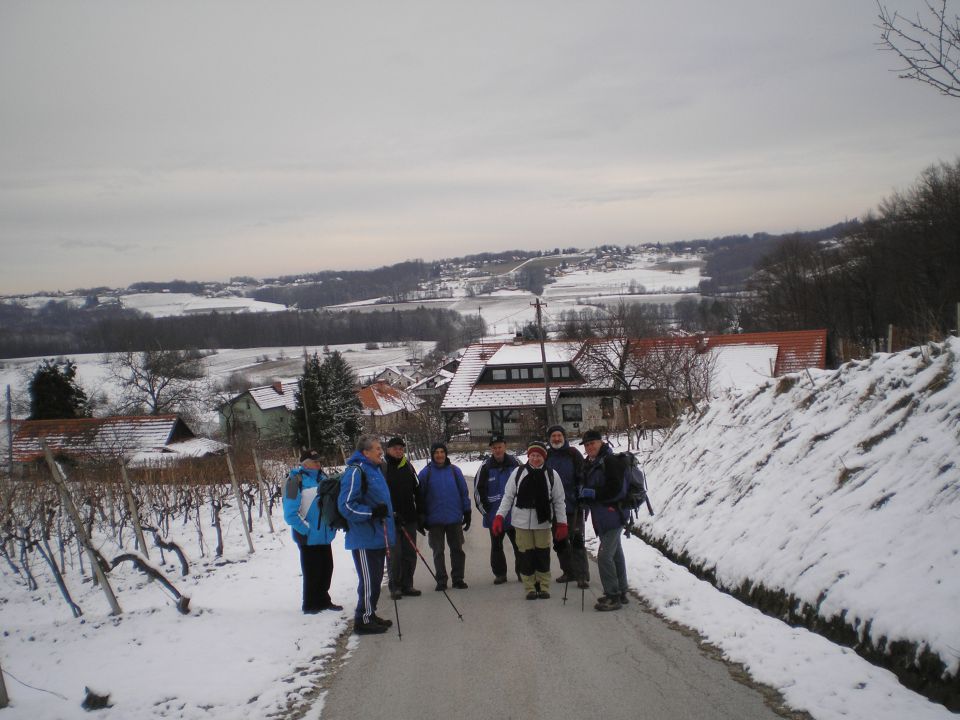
(150, 141)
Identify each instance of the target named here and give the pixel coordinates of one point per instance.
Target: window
(537, 373)
(572, 413)
(519, 374)
(499, 374)
(560, 371)
(607, 407)
(499, 418)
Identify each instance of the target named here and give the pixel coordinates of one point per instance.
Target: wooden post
(134, 511)
(239, 499)
(81, 531)
(4, 698)
(260, 485)
(890, 338)
(629, 430)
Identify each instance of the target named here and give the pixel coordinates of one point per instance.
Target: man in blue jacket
(568, 463)
(301, 510)
(446, 514)
(488, 488)
(602, 491)
(365, 503)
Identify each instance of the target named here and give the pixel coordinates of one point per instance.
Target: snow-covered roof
(742, 366)
(170, 454)
(279, 394)
(529, 354)
(380, 399)
(437, 380)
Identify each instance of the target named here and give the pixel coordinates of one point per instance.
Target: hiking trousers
(498, 558)
(534, 560)
(403, 558)
(453, 535)
(573, 556)
(611, 563)
(369, 563)
(316, 565)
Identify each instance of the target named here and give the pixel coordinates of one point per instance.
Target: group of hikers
(541, 503)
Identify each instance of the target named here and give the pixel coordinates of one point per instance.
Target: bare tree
(929, 45)
(158, 381)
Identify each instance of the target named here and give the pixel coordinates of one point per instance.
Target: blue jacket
(605, 476)
(356, 505)
(444, 494)
(488, 487)
(568, 462)
(301, 508)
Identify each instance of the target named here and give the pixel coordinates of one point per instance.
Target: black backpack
(633, 493)
(328, 492)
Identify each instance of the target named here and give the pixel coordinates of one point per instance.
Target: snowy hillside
(839, 494)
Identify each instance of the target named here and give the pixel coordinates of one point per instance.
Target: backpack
(633, 493)
(328, 492)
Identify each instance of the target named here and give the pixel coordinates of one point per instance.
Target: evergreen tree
(328, 391)
(55, 392)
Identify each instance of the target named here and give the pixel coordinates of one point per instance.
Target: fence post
(134, 511)
(71, 509)
(4, 698)
(239, 499)
(260, 484)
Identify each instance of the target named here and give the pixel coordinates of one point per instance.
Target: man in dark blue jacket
(568, 463)
(445, 514)
(488, 488)
(602, 491)
(365, 503)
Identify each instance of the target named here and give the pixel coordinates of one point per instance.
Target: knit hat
(537, 447)
(394, 441)
(556, 428)
(309, 455)
(496, 438)
(590, 435)
(438, 446)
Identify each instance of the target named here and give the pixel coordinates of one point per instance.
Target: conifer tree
(55, 392)
(328, 402)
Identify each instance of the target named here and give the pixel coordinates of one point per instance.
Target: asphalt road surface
(516, 658)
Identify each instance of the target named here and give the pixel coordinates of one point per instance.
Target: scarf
(533, 493)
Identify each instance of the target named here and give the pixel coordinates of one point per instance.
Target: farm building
(262, 412)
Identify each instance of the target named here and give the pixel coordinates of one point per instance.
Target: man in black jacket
(404, 496)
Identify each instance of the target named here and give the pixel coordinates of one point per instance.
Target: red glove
(561, 532)
(497, 527)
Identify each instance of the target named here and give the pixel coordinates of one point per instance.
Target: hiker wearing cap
(404, 489)
(568, 464)
(445, 514)
(491, 479)
(602, 484)
(301, 510)
(534, 495)
(365, 503)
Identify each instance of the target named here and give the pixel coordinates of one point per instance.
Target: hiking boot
(395, 595)
(441, 585)
(533, 595)
(499, 579)
(543, 595)
(382, 621)
(333, 606)
(563, 578)
(411, 592)
(606, 603)
(583, 584)
(624, 598)
(460, 585)
(369, 628)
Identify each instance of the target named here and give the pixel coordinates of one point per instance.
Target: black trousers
(316, 563)
(498, 559)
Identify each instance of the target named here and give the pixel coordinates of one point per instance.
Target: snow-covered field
(168, 304)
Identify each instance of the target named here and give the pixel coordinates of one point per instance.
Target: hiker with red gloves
(534, 497)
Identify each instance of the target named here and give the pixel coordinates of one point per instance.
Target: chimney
(278, 386)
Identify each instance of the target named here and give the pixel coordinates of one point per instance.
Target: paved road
(514, 658)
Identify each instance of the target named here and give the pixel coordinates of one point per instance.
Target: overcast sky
(203, 140)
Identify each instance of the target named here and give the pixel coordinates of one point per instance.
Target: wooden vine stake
(71, 509)
(134, 510)
(260, 484)
(239, 499)
(4, 698)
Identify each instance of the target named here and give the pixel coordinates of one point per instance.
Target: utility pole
(543, 360)
(10, 430)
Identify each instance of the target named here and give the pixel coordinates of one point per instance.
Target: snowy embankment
(831, 500)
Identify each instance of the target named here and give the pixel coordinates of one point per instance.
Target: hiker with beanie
(568, 464)
(491, 479)
(365, 503)
(534, 494)
(445, 514)
(602, 487)
(301, 510)
(404, 489)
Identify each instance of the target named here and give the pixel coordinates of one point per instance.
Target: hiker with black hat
(568, 464)
(491, 479)
(445, 513)
(602, 486)
(301, 510)
(534, 495)
(404, 490)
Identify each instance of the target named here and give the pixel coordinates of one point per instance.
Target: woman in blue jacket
(446, 514)
(301, 510)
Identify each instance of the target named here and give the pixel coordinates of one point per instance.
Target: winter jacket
(526, 518)
(356, 505)
(444, 495)
(404, 487)
(489, 484)
(301, 508)
(605, 476)
(568, 462)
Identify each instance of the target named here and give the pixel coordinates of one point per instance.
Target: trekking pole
(430, 570)
(386, 544)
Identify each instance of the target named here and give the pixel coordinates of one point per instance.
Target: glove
(497, 527)
(467, 516)
(422, 524)
(587, 493)
(561, 532)
(380, 511)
